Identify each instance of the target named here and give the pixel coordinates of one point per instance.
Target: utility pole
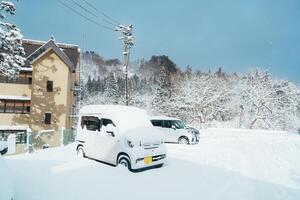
(127, 38)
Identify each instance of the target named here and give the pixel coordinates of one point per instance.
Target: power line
(85, 17)
(92, 13)
(83, 8)
(102, 13)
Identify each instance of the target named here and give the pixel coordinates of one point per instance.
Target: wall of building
(50, 67)
(15, 89)
(10, 119)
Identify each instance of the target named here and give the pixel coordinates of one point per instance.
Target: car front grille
(151, 145)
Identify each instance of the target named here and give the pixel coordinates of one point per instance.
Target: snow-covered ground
(226, 164)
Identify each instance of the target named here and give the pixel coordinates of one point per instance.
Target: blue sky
(236, 35)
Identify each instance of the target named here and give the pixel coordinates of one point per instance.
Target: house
(43, 98)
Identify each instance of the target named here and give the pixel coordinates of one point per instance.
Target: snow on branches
(11, 50)
(253, 100)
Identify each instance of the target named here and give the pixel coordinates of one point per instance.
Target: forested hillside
(252, 100)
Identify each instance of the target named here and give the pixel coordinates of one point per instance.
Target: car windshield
(179, 124)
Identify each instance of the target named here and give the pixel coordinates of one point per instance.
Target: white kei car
(119, 135)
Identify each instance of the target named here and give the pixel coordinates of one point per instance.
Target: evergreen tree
(111, 91)
(89, 85)
(162, 93)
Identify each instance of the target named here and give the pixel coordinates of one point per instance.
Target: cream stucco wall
(50, 67)
(15, 89)
(7, 119)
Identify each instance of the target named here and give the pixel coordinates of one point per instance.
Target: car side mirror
(110, 133)
(110, 130)
(173, 127)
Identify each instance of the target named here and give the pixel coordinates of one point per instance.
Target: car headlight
(130, 144)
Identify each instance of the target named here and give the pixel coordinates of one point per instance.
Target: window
(26, 107)
(156, 123)
(2, 106)
(21, 138)
(19, 106)
(179, 124)
(167, 124)
(10, 106)
(105, 122)
(91, 123)
(14, 106)
(23, 78)
(49, 86)
(47, 118)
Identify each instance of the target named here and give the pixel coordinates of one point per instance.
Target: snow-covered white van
(175, 131)
(119, 135)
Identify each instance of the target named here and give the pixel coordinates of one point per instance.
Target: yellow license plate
(148, 160)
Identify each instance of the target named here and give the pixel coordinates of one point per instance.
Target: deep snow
(226, 164)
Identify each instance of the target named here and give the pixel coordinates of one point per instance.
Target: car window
(105, 122)
(167, 124)
(91, 123)
(156, 123)
(179, 124)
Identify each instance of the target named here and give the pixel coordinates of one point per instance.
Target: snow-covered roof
(10, 97)
(67, 52)
(27, 69)
(163, 118)
(125, 117)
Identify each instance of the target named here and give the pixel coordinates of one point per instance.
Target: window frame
(48, 118)
(49, 86)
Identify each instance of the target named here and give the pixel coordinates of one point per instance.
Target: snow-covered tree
(111, 92)
(11, 50)
(162, 94)
(202, 98)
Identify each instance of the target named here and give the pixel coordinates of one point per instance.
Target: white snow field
(226, 164)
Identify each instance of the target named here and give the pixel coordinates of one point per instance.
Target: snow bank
(6, 182)
(225, 165)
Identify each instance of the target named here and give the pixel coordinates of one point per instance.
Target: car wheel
(125, 163)
(4, 151)
(80, 152)
(183, 140)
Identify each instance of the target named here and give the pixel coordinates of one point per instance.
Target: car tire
(80, 152)
(4, 151)
(124, 161)
(183, 140)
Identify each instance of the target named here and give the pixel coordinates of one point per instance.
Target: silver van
(175, 131)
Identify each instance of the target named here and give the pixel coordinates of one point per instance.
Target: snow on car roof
(125, 117)
(163, 118)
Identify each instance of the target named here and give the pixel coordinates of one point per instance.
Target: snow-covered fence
(11, 143)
